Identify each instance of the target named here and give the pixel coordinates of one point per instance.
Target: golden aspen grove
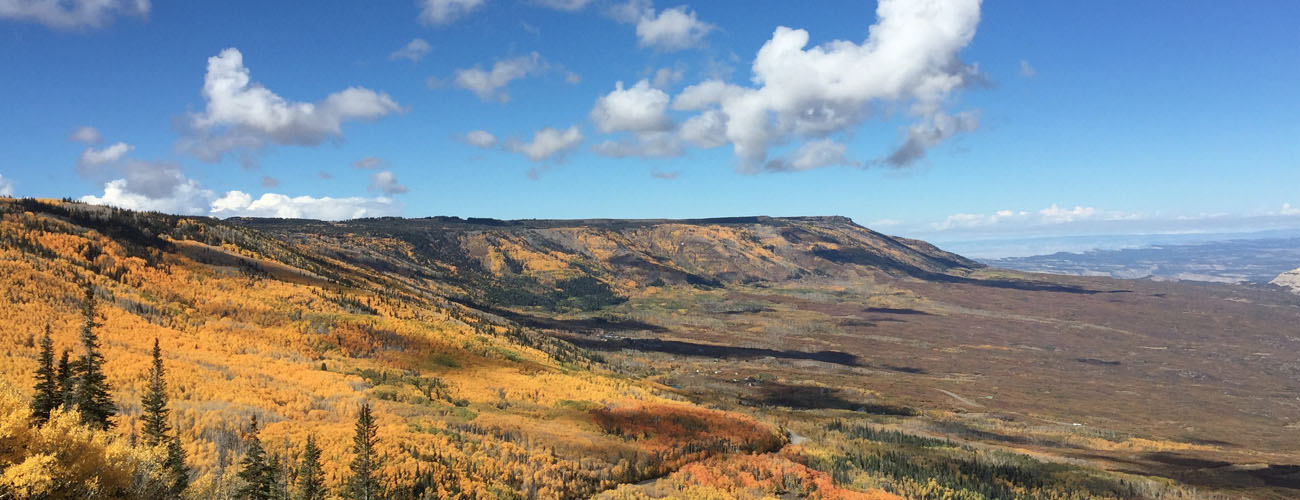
(449, 358)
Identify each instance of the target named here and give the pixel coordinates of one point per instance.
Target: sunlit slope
(588, 264)
(251, 325)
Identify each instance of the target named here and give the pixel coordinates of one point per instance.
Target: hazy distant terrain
(1233, 261)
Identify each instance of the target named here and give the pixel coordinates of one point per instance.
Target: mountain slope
(1289, 280)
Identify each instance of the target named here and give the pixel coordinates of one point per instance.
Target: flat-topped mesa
(538, 262)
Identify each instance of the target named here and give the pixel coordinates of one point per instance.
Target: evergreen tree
(311, 479)
(47, 396)
(91, 397)
(275, 476)
(178, 474)
(364, 483)
(255, 474)
(67, 379)
(154, 402)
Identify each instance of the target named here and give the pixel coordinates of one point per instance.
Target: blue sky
(948, 120)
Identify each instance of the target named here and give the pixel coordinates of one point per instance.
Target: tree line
(80, 387)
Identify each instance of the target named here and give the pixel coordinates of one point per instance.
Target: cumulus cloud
(479, 139)
(487, 84)
(440, 12)
(706, 130)
(6, 186)
(69, 14)
(162, 187)
(548, 144)
(85, 134)
(386, 182)
(801, 93)
(644, 145)
(1287, 209)
(565, 5)
(369, 162)
(812, 154)
(241, 115)
(413, 51)
(641, 108)
(91, 158)
(668, 30)
(665, 77)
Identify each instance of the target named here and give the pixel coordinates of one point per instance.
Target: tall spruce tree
(91, 397)
(154, 402)
(178, 474)
(48, 396)
(364, 483)
(311, 479)
(67, 379)
(256, 473)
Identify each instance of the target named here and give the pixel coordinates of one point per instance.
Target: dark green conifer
(311, 479)
(154, 402)
(365, 483)
(255, 473)
(91, 397)
(178, 474)
(67, 376)
(47, 396)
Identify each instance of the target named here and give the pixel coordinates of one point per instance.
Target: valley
(719, 358)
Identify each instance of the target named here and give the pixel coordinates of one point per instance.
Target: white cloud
(6, 186)
(413, 51)
(565, 5)
(92, 157)
(439, 12)
(241, 115)
(487, 84)
(548, 144)
(1050, 216)
(479, 139)
(369, 162)
(644, 145)
(85, 134)
(572, 78)
(641, 108)
(668, 30)
(240, 204)
(1026, 70)
(801, 93)
(386, 182)
(162, 187)
(65, 14)
(812, 154)
(707, 130)
(1287, 209)
(665, 77)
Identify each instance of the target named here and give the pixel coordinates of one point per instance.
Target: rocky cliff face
(1289, 280)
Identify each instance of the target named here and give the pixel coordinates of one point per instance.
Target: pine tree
(154, 402)
(311, 479)
(178, 474)
(47, 396)
(255, 473)
(275, 476)
(364, 483)
(91, 397)
(67, 380)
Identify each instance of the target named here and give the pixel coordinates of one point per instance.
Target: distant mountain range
(1230, 261)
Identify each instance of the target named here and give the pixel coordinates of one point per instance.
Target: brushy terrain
(723, 358)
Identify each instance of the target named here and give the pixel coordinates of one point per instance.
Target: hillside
(717, 358)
